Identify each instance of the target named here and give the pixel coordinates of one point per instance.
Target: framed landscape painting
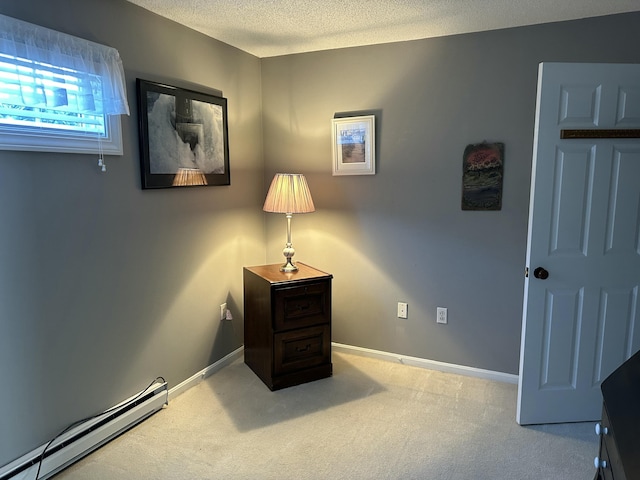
(183, 137)
(353, 145)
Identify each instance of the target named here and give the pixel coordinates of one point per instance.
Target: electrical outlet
(441, 315)
(402, 309)
(223, 311)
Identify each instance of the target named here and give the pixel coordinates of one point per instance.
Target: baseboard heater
(85, 438)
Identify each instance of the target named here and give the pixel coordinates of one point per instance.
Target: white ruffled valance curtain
(38, 44)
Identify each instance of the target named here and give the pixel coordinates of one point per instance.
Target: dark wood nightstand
(287, 324)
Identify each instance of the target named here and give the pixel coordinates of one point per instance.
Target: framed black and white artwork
(183, 137)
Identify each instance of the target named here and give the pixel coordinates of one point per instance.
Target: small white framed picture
(354, 145)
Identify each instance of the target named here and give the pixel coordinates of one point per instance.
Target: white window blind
(58, 92)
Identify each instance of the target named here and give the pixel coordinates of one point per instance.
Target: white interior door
(582, 321)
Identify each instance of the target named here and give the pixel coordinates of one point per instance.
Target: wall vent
(85, 438)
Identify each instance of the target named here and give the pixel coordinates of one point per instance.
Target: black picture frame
(184, 139)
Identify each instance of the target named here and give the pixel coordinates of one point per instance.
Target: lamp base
(289, 267)
(288, 253)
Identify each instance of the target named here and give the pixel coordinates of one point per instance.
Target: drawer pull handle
(599, 463)
(305, 349)
(600, 430)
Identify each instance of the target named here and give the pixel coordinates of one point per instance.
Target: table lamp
(288, 194)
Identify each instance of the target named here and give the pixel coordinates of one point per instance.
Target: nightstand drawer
(609, 452)
(302, 348)
(302, 306)
(605, 471)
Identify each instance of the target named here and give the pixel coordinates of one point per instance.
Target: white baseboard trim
(428, 364)
(205, 372)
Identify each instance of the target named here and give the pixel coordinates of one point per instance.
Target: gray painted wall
(401, 235)
(104, 286)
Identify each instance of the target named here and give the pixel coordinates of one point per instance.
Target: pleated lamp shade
(289, 193)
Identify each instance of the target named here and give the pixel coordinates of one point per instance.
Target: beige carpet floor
(372, 420)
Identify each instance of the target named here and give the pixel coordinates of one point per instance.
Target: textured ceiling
(267, 28)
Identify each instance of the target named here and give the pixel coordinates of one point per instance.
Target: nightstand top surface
(272, 273)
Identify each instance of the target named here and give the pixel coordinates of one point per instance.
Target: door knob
(541, 273)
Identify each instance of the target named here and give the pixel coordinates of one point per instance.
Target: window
(58, 92)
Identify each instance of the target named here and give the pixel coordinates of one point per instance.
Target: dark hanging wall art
(482, 174)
